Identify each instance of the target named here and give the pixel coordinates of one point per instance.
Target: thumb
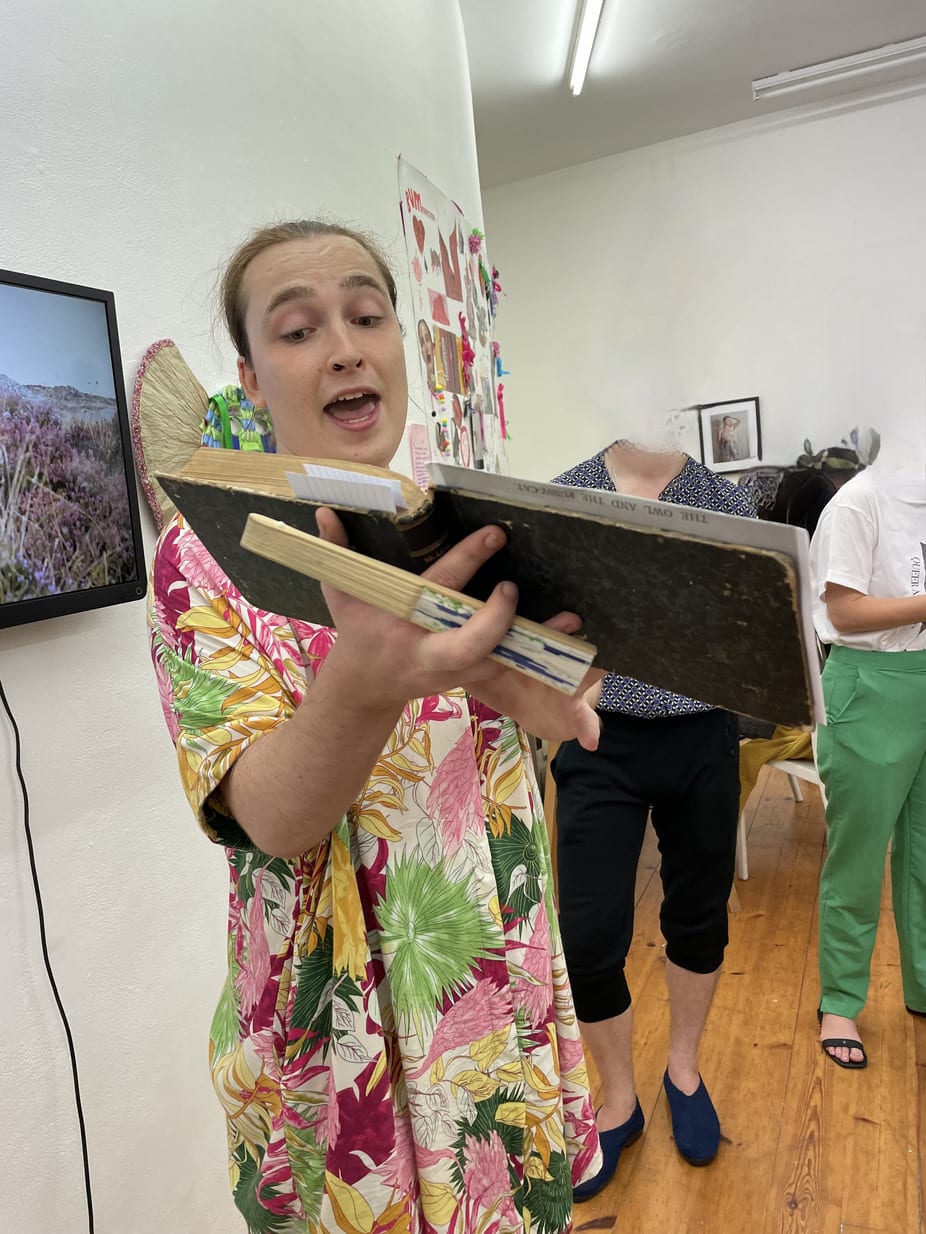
(588, 727)
(330, 527)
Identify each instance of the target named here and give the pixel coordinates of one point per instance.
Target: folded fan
(168, 408)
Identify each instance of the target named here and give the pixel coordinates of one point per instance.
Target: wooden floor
(808, 1148)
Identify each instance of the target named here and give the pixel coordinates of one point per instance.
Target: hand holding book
(402, 659)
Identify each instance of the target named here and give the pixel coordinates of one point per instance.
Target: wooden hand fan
(168, 408)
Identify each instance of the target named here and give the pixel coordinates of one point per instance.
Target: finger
(330, 527)
(565, 623)
(593, 677)
(588, 728)
(459, 564)
(462, 649)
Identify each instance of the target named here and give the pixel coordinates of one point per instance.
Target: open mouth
(354, 410)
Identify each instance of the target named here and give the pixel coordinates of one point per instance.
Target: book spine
(426, 537)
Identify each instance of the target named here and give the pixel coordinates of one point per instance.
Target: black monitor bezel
(41, 608)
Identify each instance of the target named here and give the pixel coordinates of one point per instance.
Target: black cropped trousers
(684, 771)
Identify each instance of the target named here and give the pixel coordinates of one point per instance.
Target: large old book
(712, 606)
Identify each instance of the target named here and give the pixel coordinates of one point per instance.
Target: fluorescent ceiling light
(585, 41)
(892, 54)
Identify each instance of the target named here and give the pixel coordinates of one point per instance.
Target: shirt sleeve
(743, 503)
(842, 549)
(570, 478)
(725, 497)
(224, 679)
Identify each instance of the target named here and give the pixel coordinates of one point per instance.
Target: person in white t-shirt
(867, 559)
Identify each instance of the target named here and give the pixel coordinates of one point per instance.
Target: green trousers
(871, 755)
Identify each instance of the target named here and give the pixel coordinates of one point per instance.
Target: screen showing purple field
(66, 522)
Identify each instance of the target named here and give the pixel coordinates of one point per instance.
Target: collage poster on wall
(454, 294)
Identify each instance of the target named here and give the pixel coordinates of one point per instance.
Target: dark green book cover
(710, 605)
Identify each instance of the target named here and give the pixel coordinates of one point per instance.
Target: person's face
(426, 344)
(326, 350)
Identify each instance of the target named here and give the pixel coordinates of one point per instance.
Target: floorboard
(809, 1148)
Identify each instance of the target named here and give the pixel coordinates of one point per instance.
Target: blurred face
(425, 343)
(327, 359)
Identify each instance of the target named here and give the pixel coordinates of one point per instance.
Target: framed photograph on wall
(731, 437)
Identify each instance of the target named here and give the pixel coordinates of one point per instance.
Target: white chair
(796, 769)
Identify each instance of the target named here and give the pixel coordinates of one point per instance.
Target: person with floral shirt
(395, 1046)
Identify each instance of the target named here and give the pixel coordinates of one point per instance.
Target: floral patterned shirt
(395, 1046)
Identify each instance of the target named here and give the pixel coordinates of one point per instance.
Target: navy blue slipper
(695, 1124)
(613, 1143)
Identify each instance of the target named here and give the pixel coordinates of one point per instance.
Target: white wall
(785, 259)
(138, 143)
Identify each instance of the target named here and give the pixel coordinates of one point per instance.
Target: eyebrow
(302, 291)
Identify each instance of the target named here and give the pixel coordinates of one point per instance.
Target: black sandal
(849, 1043)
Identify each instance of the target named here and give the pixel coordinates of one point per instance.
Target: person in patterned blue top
(676, 759)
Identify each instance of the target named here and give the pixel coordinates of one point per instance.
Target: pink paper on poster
(439, 311)
(420, 449)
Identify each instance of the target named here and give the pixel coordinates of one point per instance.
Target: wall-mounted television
(70, 538)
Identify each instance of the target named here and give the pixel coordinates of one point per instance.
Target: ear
(247, 379)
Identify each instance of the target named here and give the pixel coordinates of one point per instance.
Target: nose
(345, 353)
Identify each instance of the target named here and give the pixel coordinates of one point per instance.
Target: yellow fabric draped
(754, 754)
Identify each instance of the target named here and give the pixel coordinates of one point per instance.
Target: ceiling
(660, 69)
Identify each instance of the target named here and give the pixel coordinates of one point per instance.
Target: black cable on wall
(47, 961)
